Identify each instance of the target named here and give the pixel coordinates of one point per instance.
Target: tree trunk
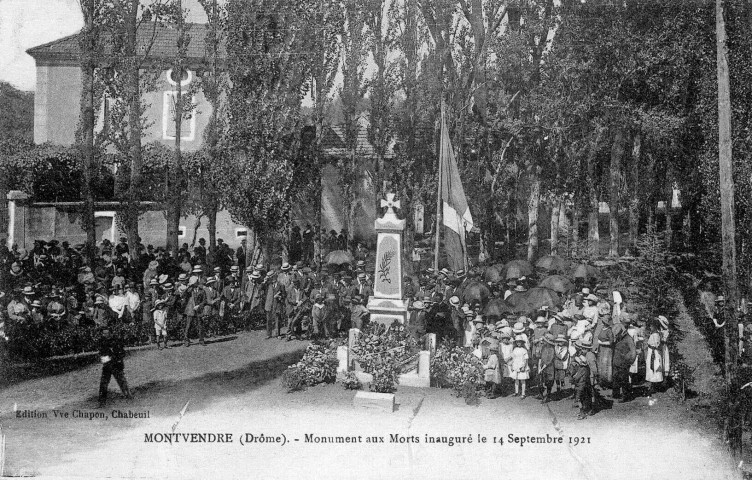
(555, 217)
(593, 231)
(634, 202)
(211, 216)
(86, 134)
(576, 214)
(669, 215)
(532, 213)
(617, 151)
(728, 229)
(175, 191)
(133, 89)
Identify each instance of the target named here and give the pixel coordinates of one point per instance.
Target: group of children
(588, 342)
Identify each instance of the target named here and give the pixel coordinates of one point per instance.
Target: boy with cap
(319, 315)
(546, 369)
(581, 382)
(358, 313)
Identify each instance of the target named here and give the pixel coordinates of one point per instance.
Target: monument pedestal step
(378, 401)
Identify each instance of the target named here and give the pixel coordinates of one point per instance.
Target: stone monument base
(386, 311)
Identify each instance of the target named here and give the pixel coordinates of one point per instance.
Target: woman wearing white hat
(590, 310)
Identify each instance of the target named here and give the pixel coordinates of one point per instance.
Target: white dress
(505, 349)
(635, 334)
(654, 360)
(519, 367)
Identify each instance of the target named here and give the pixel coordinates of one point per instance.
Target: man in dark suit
(111, 354)
(362, 286)
(274, 306)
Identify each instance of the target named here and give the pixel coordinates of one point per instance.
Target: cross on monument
(390, 203)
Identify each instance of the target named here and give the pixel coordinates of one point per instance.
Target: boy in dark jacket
(582, 385)
(111, 354)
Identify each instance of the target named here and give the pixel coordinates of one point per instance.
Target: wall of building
(34, 222)
(334, 207)
(56, 104)
(57, 107)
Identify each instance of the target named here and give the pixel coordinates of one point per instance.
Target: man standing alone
(274, 305)
(111, 354)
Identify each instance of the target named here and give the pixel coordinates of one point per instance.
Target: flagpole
(438, 195)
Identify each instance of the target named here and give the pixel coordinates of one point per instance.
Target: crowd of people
(588, 343)
(54, 285)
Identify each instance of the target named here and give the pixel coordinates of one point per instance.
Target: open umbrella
(476, 291)
(492, 274)
(584, 270)
(339, 257)
(557, 283)
(553, 263)
(517, 301)
(517, 269)
(497, 307)
(540, 296)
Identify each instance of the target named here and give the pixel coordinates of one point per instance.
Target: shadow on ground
(38, 444)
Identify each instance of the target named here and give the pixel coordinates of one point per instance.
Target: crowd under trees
(553, 107)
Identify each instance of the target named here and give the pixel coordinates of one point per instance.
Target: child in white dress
(520, 367)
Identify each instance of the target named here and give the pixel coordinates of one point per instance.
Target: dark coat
(624, 351)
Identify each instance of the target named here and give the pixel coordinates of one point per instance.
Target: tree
(268, 70)
(125, 82)
(381, 86)
(733, 428)
(90, 46)
(213, 161)
(354, 87)
(175, 179)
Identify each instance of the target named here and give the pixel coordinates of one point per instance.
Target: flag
(455, 212)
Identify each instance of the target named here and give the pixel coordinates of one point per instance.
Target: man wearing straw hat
(458, 320)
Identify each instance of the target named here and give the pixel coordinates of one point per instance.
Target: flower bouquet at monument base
(462, 371)
(382, 352)
(318, 365)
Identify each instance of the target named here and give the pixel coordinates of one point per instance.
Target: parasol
(476, 291)
(584, 270)
(557, 283)
(497, 308)
(553, 263)
(492, 274)
(339, 257)
(517, 269)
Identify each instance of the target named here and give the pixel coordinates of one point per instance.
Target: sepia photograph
(376, 239)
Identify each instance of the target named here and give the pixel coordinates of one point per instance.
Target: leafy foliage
(380, 351)
(17, 114)
(456, 368)
(318, 365)
(48, 173)
(351, 382)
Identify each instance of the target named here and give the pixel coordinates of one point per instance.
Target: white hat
(455, 300)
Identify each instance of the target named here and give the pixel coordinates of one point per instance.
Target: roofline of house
(32, 51)
(67, 59)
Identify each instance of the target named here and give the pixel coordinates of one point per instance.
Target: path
(233, 387)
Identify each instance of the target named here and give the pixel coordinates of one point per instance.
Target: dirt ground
(233, 387)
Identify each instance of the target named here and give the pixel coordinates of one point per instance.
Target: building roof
(159, 40)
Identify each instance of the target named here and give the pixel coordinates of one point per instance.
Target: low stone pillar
(431, 343)
(18, 203)
(424, 364)
(352, 339)
(342, 355)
